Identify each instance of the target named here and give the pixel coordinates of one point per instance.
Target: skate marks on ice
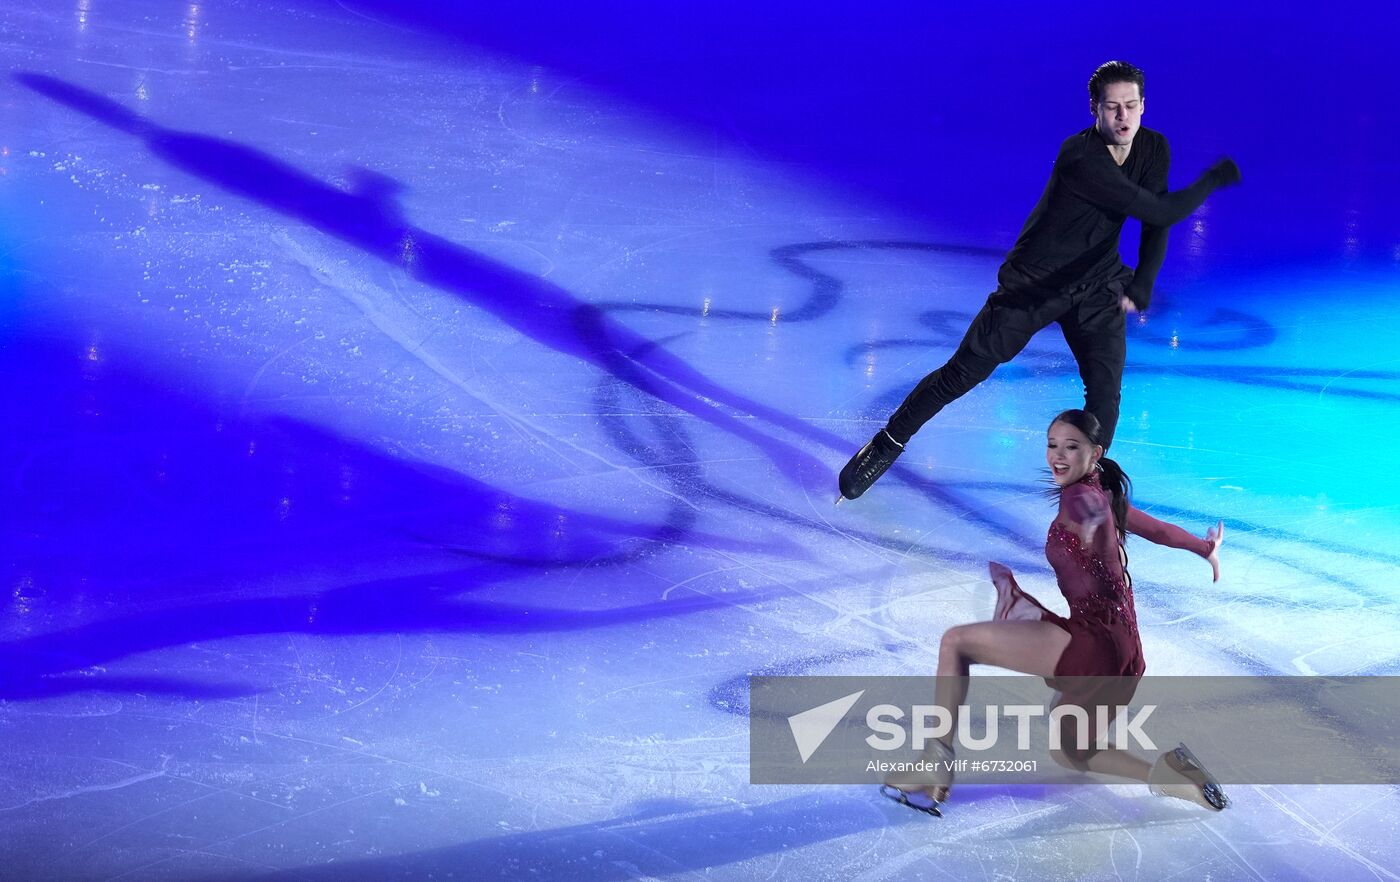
(179, 507)
(655, 839)
(533, 306)
(827, 290)
(369, 220)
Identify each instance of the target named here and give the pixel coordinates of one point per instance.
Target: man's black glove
(1224, 173)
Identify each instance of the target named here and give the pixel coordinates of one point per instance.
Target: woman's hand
(1086, 511)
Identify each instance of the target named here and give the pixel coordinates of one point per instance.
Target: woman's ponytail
(1120, 489)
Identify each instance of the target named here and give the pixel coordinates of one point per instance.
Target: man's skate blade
(918, 801)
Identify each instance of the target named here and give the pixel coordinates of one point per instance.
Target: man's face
(1119, 113)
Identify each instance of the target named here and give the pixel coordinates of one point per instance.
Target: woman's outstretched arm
(1162, 533)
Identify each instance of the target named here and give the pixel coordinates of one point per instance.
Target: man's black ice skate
(866, 467)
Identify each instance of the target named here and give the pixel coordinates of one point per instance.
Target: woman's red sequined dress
(1102, 623)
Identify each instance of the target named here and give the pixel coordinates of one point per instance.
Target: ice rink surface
(419, 423)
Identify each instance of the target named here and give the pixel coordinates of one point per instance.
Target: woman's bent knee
(954, 640)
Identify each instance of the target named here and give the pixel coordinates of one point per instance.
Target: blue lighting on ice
(421, 418)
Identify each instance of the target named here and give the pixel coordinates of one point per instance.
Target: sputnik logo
(811, 727)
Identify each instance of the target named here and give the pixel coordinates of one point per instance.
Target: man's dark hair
(1114, 72)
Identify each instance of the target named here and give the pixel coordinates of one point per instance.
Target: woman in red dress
(1099, 639)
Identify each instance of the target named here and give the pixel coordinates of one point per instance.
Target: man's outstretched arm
(1108, 189)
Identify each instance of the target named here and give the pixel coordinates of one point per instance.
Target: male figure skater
(1065, 268)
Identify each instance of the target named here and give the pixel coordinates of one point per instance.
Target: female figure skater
(1099, 639)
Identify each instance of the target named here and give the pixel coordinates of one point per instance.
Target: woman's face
(1069, 453)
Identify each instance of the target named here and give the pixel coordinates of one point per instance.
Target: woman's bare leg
(1027, 648)
(1023, 646)
(1116, 761)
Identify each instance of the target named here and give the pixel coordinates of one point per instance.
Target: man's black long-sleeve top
(1071, 236)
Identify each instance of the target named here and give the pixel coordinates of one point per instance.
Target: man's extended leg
(1001, 330)
(1094, 329)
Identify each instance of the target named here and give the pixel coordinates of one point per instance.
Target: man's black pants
(1092, 319)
